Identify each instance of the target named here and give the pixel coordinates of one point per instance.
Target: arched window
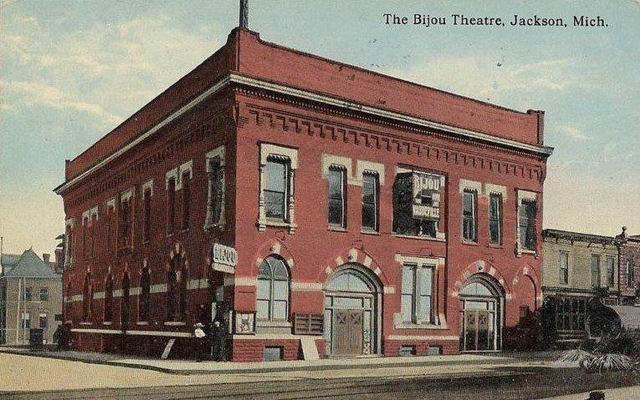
(86, 298)
(176, 290)
(145, 294)
(67, 305)
(273, 290)
(108, 299)
(125, 307)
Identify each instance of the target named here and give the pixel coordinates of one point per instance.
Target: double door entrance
(481, 321)
(479, 333)
(348, 332)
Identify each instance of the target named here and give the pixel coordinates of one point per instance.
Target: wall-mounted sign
(427, 190)
(225, 258)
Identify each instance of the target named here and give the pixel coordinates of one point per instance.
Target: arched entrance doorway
(481, 305)
(352, 315)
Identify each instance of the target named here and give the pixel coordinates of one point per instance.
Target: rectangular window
(125, 231)
(495, 218)
(68, 256)
(469, 216)
(631, 278)
(94, 222)
(216, 192)
(146, 203)
(610, 272)
(85, 231)
(417, 294)
(527, 228)
(171, 205)
(595, 271)
(416, 204)
(109, 228)
(186, 200)
(337, 196)
(26, 321)
(276, 189)
(28, 294)
(44, 294)
(564, 268)
(370, 204)
(43, 321)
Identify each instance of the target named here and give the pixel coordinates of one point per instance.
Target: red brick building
(370, 215)
(629, 247)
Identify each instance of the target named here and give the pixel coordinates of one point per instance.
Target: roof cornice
(543, 151)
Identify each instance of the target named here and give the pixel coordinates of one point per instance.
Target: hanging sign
(225, 258)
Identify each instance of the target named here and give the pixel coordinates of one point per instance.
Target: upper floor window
(564, 268)
(527, 214)
(215, 199)
(273, 290)
(125, 227)
(68, 243)
(147, 192)
(277, 170)
(610, 272)
(44, 294)
(276, 189)
(28, 294)
(595, 271)
(495, 218)
(417, 204)
(417, 294)
(171, 205)
(186, 199)
(470, 216)
(370, 201)
(337, 196)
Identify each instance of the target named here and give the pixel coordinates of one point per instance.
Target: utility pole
(244, 14)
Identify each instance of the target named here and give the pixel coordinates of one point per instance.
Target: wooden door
(348, 332)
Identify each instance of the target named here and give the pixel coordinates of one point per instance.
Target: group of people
(210, 340)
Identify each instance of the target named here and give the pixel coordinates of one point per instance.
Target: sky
(72, 70)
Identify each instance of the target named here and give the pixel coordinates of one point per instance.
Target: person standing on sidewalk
(219, 337)
(201, 341)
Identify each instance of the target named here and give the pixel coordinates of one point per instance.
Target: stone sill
(428, 238)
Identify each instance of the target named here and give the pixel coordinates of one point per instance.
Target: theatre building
(369, 215)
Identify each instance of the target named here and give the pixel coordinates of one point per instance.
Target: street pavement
(33, 378)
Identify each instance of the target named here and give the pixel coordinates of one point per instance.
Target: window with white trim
(417, 203)
(186, 199)
(470, 216)
(370, 201)
(337, 180)
(108, 299)
(417, 305)
(595, 271)
(145, 295)
(527, 215)
(216, 188)
(631, 278)
(610, 272)
(273, 290)
(68, 244)
(146, 214)
(277, 189)
(564, 268)
(495, 218)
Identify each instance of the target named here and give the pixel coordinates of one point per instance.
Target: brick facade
(260, 102)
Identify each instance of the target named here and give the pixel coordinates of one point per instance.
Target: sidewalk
(188, 367)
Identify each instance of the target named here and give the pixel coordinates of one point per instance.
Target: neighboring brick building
(370, 215)
(30, 297)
